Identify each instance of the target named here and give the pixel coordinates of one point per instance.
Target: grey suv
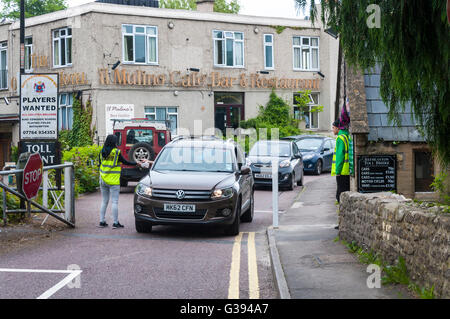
(196, 180)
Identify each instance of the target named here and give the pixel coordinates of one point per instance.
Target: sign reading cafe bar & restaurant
(39, 106)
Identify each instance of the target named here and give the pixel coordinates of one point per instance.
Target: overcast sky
(269, 8)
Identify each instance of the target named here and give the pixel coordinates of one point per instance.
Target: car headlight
(308, 157)
(248, 162)
(142, 189)
(222, 193)
(285, 163)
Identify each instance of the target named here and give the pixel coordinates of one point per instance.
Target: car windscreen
(196, 159)
(271, 148)
(309, 144)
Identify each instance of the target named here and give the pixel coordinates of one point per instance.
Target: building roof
(377, 112)
(107, 8)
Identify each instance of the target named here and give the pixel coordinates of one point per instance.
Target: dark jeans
(343, 185)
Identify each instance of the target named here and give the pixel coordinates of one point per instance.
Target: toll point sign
(32, 176)
(39, 106)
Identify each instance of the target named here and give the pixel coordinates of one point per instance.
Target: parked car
(290, 171)
(317, 152)
(196, 181)
(139, 139)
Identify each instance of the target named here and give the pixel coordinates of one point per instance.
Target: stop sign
(32, 176)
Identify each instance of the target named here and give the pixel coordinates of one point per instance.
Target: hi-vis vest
(110, 168)
(346, 167)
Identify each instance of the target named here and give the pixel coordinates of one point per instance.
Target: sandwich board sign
(39, 106)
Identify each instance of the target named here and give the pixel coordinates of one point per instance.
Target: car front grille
(262, 165)
(160, 213)
(189, 195)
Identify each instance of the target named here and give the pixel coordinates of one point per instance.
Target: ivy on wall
(81, 133)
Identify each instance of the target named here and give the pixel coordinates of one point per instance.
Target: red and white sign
(32, 176)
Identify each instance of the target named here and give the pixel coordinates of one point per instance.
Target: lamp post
(22, 36)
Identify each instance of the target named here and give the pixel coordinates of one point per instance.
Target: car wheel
(247, 217)
(300, 182)
(233, 229)
(292, 184)
(143, 227)
(123, 183)
(318, 167)
(142, 151)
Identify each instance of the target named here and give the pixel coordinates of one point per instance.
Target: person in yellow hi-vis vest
(341, 164)
(110, 169)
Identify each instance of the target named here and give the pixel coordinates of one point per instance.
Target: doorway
(229, 110)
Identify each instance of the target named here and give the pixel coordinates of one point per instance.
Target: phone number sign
(39, 106)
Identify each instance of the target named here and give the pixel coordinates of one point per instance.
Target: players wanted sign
(39, 107)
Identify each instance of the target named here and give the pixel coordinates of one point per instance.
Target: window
(306, 53)
(311, 118)
(268, 51)
(162, 114)
(228, 49)
(140, 44)
(3, 65)
(28, 53)
(65, 111)
(62, 47)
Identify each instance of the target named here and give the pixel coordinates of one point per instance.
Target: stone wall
(393, 226)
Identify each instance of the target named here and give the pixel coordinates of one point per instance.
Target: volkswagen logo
(180, 194)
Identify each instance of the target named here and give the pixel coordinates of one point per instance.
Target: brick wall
(393, 226)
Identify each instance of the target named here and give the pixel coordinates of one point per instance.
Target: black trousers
(343, 185)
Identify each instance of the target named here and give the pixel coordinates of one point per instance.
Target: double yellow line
(233, 289)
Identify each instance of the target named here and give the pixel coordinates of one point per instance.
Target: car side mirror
(245, 170)
(326, 149)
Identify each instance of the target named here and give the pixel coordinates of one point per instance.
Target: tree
(11, 8)
(219, 5)
(410, 40)
(276, 114)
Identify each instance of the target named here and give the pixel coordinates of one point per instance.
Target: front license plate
(264, 176)
(179, 208)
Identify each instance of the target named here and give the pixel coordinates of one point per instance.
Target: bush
(85, 160)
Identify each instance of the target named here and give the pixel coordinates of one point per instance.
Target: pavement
(307, 261)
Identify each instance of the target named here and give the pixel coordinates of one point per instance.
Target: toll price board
(377, 173)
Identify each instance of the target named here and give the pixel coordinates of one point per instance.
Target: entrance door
(229, 110)
(5, 146)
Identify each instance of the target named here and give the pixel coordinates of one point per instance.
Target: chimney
(205, 5)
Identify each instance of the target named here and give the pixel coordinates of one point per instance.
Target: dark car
(317, 152)
(196, 181)
(290, 170)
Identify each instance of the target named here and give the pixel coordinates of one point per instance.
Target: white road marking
(72, 274)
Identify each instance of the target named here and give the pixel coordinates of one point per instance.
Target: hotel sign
(39, 106)
(199, 80)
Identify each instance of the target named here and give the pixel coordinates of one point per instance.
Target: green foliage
(64, 139)
(412, 46)
(227, 7)
(219, 5)
(439, 186)
(396, 274)
(392, 274)
(276, 114)
(85, 160)
(178, 4)
(279, 28)
(14, 153)
(11, 8)
(12, 203)
(81, 134)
